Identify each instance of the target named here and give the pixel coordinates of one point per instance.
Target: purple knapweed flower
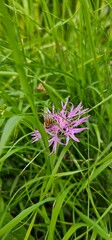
(63, 125)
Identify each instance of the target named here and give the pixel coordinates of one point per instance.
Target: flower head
(63, 125)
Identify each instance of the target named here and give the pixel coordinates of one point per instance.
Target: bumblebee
(48, 121)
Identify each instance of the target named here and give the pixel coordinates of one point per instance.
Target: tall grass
(65, 46)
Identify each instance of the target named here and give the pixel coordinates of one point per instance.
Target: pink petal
(64, 105)
(72, 112)
(74, 138)
(67, 139)
(54, 141)
(80, 121)
(36, 136)
(77, 130)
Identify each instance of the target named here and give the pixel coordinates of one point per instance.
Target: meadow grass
(66, 47)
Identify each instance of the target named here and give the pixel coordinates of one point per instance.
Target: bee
(41, 88)
(48, 121)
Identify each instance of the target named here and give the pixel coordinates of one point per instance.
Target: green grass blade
(30, 227)
(22, 215)
(86, 7)
(14, 41)
(95, 226)
(72, 230)
(55, 212)
(9, 127)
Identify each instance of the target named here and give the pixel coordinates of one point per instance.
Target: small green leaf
(9, 126)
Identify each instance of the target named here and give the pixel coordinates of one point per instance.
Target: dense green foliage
(64, 45)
